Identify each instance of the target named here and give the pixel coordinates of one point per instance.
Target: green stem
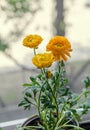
(34, 51)
(73, 126)
(60, 70)
(53, 97)
(44, 73)
(78, 97)
(31, 127)
(60, 66)
(71, 120)
(57, 124)
(62, 109)
(39, 104)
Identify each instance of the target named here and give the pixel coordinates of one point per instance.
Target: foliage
(15, 12)
(3, 45)
(14, 8)
(58, 106)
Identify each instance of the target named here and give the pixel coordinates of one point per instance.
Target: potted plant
(59, 108)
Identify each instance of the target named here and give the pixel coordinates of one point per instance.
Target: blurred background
(47, 18)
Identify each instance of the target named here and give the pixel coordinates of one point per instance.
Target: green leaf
(22, 103)
(26, 84)
(87, 82)
(3, 45)
(39, 76)
(77, 116)
(62, 63)
(28, 94)
(27, 100)
(25, 103)
(46, 101)
(27, 107)
(32, 79)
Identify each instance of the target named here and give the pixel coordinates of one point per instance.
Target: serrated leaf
(87, 82)
(22, 103)
(27, 100)
(32, 79)
(28, 94)
(28, 106)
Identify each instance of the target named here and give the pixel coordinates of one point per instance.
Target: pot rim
(85, 122)
(31, 118)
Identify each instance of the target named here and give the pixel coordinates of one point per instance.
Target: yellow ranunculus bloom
(32, 41)
(43, 60)
(60, 47)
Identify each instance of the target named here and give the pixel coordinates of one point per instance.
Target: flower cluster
(59, 48)
(58, 107)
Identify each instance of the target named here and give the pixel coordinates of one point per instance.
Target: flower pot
(85, 125)
(34, 120)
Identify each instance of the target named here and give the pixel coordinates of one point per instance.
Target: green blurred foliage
(16, 10)
(3, 45)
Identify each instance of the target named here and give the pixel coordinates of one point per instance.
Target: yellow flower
(60, 47)
(32, 41)
(43, 60)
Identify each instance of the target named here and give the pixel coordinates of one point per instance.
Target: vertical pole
(59, 21)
